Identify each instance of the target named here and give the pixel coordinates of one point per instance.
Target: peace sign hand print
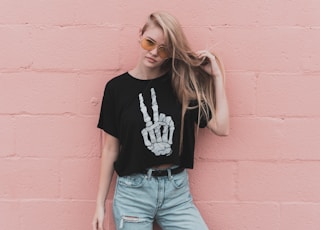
(158, 134)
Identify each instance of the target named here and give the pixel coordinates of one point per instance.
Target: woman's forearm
(108, 157)
(222, 108)
(106, 173)
(219, 124)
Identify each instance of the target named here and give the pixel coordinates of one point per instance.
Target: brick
(213, 181)
(270, 181)
(40, 178)
(38, 92)
(300, 216)
(24, 13)
(59, 214)
(138, 14)
(10, 178)
(301, 139)
(105, 12)
(235, 14)
(60, 48)
(249, 139)
(7, 136)
(311, 52)
(266, 13)
(15, 47)
(79, 178)
(129, 47)
(58, 136)
(300, 13)
(240, 216)
(9, 210)
(42, 214)
(70, 12)
(77, 214)
(29, 178)
(217, 14)
(90, 92)
(241, 91)
(287, 95)
(264, 49)
(200, 38)
(253, 13)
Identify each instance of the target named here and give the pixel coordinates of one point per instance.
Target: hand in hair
(210, 63)
(219, 124)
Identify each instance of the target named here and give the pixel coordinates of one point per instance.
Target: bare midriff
(164, 166)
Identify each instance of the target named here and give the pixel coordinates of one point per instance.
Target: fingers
(97, 225)
(94, 224)
(100, 225)
(210, 63)
(98, 219)
(206, 54)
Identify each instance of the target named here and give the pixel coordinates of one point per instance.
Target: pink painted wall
(56, 57)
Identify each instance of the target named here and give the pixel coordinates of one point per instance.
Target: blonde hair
(190, 82)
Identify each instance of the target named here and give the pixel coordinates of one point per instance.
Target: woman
(148, 116)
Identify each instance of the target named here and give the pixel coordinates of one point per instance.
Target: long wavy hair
(193, 86)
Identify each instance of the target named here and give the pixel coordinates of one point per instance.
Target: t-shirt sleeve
(107, 119)
(204, 119)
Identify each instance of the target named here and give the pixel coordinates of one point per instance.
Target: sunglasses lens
(147, 44)
(162, 52)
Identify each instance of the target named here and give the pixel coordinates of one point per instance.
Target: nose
(154, 52)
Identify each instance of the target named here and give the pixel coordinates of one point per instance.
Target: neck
(145, 73)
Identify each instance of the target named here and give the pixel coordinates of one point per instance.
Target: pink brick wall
(56, 57)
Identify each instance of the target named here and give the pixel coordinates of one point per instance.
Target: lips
(151, 59)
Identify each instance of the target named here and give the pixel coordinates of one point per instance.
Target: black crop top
(145, 116)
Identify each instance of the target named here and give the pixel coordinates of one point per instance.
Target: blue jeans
(140, 199)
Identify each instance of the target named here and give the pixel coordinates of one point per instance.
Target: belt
(163, 172)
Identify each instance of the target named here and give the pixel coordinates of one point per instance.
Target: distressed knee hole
(131, 219)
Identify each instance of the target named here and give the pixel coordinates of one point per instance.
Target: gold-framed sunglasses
(149, 44)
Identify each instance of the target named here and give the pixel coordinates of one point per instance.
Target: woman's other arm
(219, 124)
(108, 157)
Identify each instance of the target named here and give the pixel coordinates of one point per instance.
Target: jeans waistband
(163, 172)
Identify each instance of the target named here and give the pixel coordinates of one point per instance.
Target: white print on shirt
(159, 144)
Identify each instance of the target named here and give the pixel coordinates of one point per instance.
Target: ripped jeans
(140, 199)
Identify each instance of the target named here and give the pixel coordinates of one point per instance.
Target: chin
(152, 65)
(149, 63)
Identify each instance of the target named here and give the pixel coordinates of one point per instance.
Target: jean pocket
(180, 180)
(133, 181)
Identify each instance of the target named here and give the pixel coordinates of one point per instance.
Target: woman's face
(153, 50)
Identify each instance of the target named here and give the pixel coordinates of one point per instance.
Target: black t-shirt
(145, 116)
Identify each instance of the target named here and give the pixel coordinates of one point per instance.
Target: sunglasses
(149, 44)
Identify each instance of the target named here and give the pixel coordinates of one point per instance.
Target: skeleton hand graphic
(159, 143)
